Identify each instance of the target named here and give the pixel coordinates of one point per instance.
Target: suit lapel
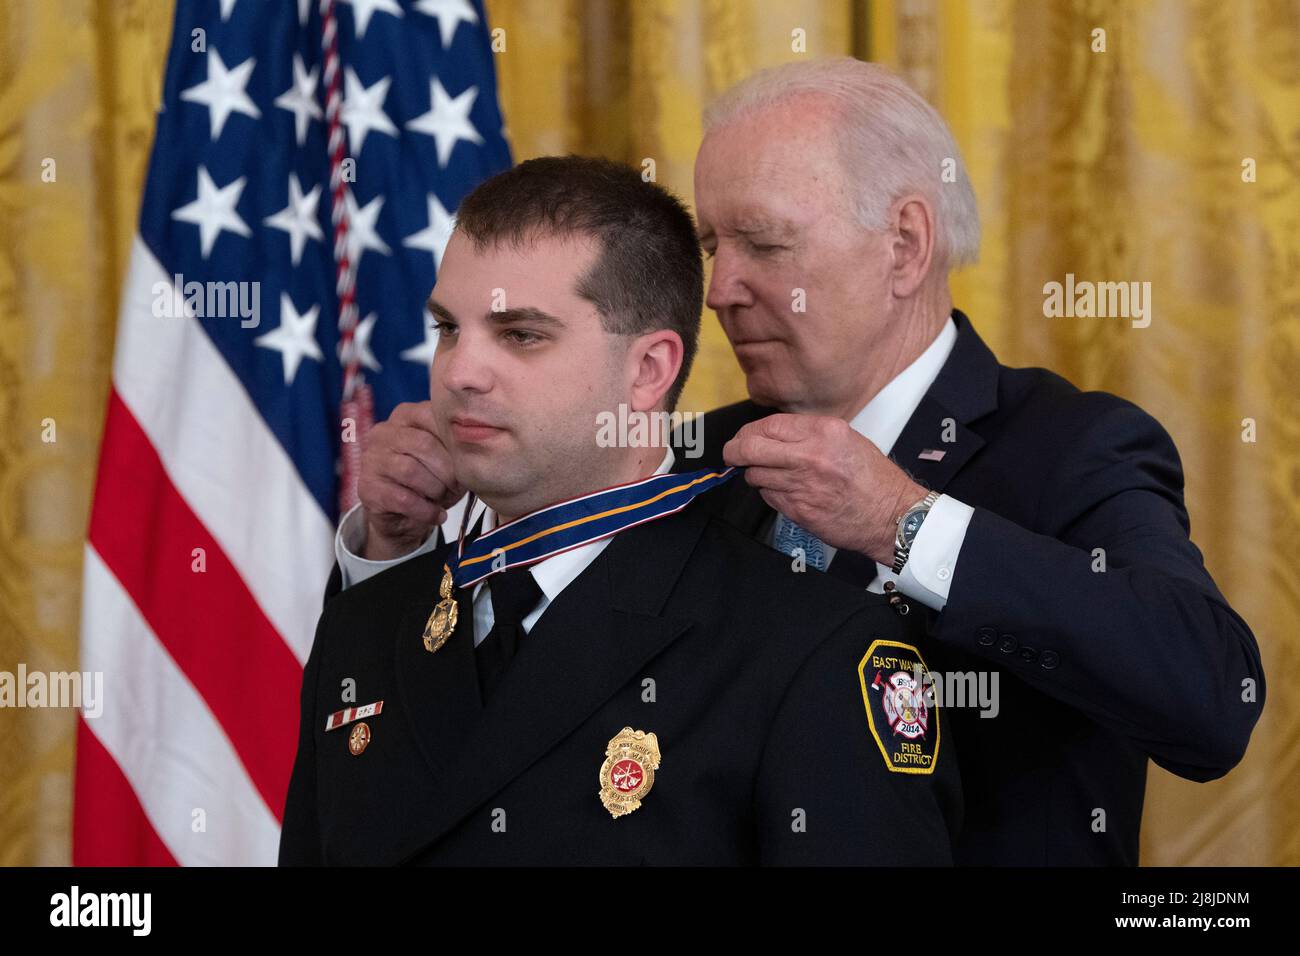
(439, 691)
(925, 433)
(591, 640)
(964, 390)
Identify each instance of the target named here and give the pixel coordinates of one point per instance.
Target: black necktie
(514, 595)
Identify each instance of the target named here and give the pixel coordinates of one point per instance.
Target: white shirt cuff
(351, 538)
(930, 567)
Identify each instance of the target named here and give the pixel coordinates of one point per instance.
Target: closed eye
(760, 248)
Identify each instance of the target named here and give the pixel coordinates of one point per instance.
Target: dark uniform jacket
(1098, 670)
(775, 743)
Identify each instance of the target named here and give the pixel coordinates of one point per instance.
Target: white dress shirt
(552, 575)
(933, 558)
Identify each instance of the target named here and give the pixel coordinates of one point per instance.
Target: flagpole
(357, 405)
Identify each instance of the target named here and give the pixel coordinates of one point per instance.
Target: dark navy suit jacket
(1098, 670)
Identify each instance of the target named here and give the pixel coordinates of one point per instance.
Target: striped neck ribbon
(571, 524)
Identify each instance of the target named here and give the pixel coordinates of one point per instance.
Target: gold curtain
(1117, 165)
(79, 84)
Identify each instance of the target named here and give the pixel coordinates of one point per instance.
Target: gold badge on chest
(628, 772)
(442, 622)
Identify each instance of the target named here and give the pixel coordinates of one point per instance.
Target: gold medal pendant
(628, 772)
(442, 622)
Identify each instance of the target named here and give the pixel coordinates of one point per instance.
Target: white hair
(891, 142)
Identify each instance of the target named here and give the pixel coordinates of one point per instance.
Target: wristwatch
(909, 525)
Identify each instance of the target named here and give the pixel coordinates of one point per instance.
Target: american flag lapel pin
(931, 454)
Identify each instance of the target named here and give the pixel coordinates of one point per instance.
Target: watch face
(910, 526)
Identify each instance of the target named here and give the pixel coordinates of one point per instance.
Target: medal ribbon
(573, 523)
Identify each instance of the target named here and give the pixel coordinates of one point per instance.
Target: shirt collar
(885, 416)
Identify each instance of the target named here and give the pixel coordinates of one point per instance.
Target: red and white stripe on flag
(190, 759)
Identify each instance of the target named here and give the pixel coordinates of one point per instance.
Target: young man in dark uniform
(600, 671)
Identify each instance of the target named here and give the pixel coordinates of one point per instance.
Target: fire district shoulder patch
(900, 703)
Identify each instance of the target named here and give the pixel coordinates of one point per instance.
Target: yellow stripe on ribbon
(596, 517)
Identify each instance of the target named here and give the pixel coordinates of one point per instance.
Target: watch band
(903, 550)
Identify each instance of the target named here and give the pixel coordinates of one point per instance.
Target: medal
(359, 739)
(628, 772)
(442, 622)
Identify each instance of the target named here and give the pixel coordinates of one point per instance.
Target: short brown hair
(648, 274)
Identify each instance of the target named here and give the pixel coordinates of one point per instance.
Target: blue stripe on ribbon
(572, 523)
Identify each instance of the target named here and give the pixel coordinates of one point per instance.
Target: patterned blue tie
(790, 536)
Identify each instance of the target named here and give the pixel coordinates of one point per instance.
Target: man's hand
(406, 483)
(820, 473)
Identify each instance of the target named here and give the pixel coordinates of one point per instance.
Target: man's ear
(913, 244)
(653, 361)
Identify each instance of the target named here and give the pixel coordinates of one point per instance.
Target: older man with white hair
(1034, 535)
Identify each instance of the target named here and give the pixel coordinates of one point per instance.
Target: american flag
(308, 160)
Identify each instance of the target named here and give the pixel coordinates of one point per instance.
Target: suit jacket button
(1008, 644)
(1029, 654)
(987, 636)
(1049, 659)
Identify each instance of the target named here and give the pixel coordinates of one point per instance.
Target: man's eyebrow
(528, 314)
(440, 310)
(749, 227)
